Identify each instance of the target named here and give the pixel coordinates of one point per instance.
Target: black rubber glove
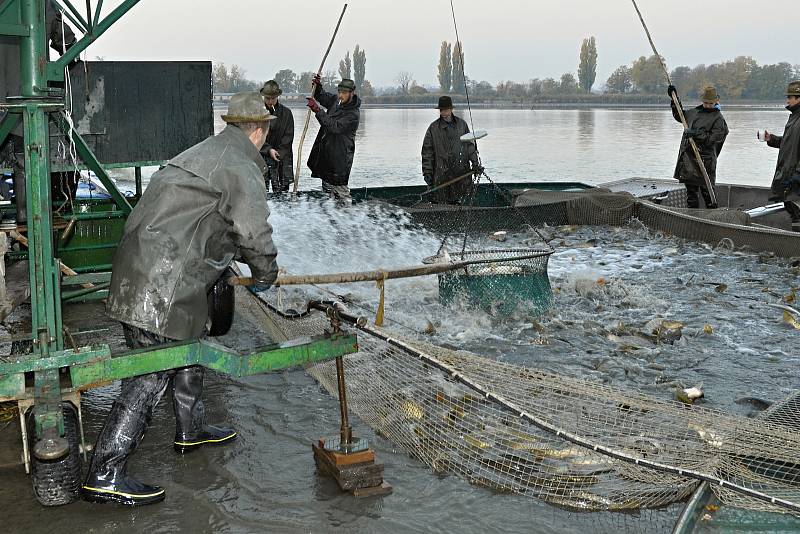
(428, 180)
(671, 90)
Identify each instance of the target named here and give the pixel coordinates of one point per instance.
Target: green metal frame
(89, 366)
(92, 366)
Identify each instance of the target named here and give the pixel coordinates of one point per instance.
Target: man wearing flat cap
(448, 163)
(331, 157)
(786, 183)
(709, 130)
(277, 150)
(207, 206)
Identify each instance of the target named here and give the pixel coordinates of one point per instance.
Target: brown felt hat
(793, 89)
(710, 95)
(247, 107)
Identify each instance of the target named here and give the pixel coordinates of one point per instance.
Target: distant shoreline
(640, 103)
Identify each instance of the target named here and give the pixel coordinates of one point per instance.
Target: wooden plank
(383, 489)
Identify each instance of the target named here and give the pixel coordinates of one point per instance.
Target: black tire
(58, 482)
(221, 305)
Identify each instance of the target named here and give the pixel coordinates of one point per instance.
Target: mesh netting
(533, 208)
(505, 281)
(582, 445)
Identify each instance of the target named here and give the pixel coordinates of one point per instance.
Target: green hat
(247, 107)
(347, 85)
(271, 88)
(793, 89)
(710, 95)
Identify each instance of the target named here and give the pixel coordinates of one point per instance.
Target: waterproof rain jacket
(712, 130)
(331, 157)
(205, 208)
(445, 157)
(281, 137)
(786, 183)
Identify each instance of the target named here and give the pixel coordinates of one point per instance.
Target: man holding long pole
(786, 183)
(708, 129)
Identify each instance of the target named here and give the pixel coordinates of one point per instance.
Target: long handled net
(570, 442)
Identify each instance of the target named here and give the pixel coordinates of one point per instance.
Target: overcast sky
(503, 39)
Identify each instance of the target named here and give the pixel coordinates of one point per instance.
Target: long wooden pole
(308, 115)
(364, 276)
(678, 106)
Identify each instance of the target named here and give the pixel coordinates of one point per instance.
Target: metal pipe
(74, 15)
(346, 432)
(33, 49)
(137, 173)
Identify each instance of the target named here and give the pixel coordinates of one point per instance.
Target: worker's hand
(477, 170)
(690, 133)
(671, 90)
(428, 180)
(316, 80)
(313, 104)
(767, 136)
(274, 154)
(260, 288)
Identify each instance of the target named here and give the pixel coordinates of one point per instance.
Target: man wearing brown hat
(277, 151)
(786, 183)
(445, 158)
(207, 206)
(709, 130)
(331, 157)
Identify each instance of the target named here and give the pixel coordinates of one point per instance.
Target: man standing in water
(786, 183)
(709, 130)
(331, 157)
(277, 151)
(207, 206)
(445, 158)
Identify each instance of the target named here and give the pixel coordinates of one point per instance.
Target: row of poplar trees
(451, 66)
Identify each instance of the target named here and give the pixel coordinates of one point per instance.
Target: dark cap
(346, 85)
(793, 89)
(271, 88)
(445, 102)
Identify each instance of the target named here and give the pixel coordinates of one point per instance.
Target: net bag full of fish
(500, 281)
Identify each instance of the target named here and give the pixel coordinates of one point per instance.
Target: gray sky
(503, 39)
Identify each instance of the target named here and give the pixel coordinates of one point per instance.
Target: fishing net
(534, 208)
(573, 443)
(504, 282)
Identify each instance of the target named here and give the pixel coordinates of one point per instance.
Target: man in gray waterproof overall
(331, 157)
(709, 130)
(786, 183)
(206, 207)
(277, 151)
(445, 158)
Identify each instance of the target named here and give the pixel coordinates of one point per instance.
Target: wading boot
(191, 432)
(107, 480)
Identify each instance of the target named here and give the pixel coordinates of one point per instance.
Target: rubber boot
(793, 209)
(191, 432)
(107, 480)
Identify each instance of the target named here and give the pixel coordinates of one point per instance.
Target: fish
(477, 443)
(411, 410)
(706, 435)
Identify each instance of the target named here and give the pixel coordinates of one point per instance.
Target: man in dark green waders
(205, 208)
(709, 130)
(445, 158)
(786, 183)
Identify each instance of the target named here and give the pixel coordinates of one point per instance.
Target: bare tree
(404, 80)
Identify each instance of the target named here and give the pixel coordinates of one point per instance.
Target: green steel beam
(96, 20)
(75, 17)
(95, 365)
(8, 124)
(69, 295)
(90, 160)
(212, 356)
(14, 29)
(55, 69)
(91, 278)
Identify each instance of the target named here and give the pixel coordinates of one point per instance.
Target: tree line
(233, 79)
